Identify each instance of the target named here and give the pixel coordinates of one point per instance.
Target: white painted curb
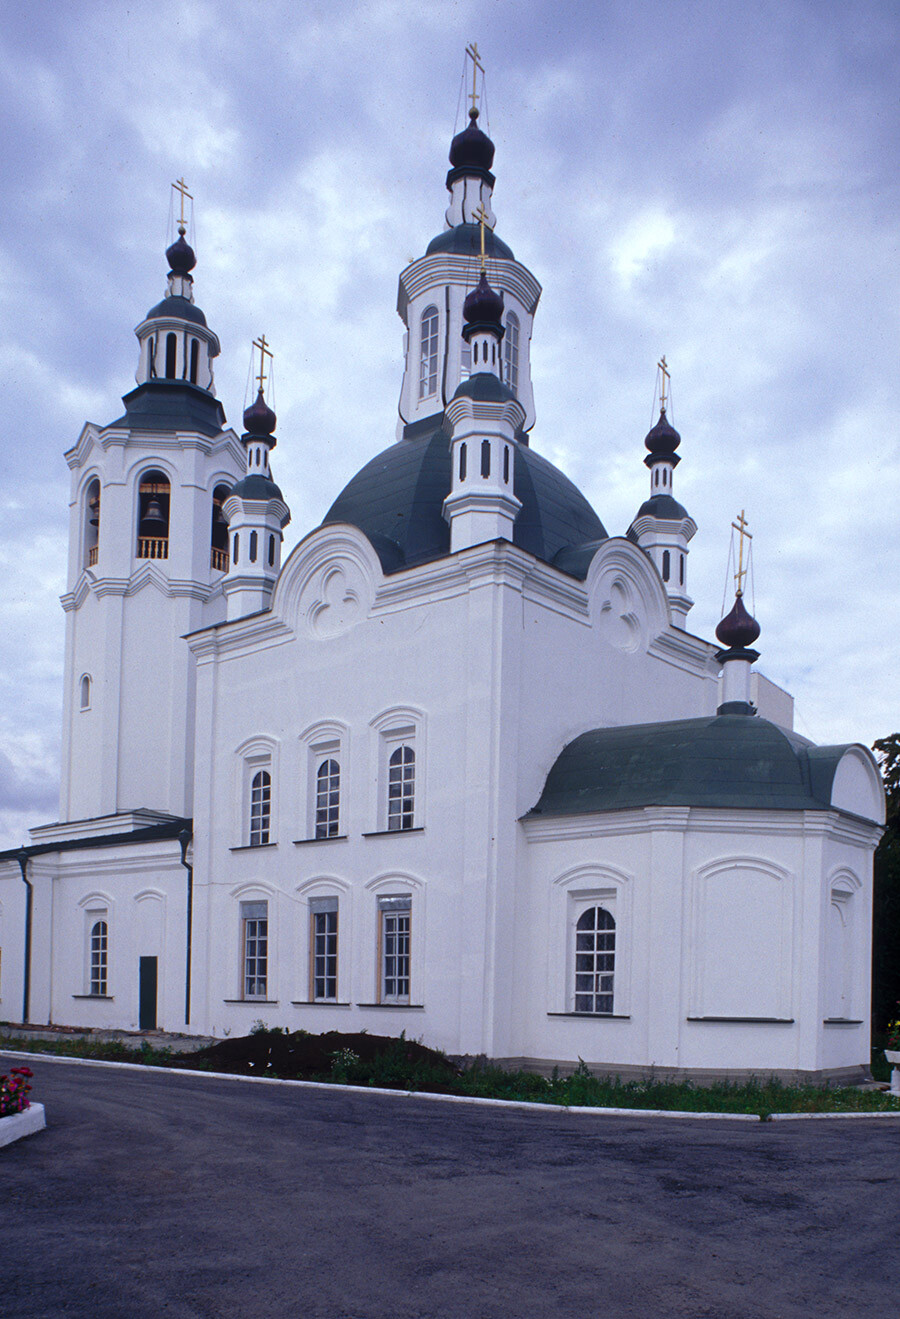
(17, 1125)
(527, 1105)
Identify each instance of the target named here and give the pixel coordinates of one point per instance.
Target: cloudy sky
(709, 179)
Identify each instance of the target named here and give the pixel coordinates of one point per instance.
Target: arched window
(485, 458)
(666, 566)
(237, 545)
(195, 358)
(92, 524)
(153, 516)
(218, 555)
(681, 570)
(99, 954)
(506, 464)
(595, 956)
(401, 788)
(428, 352)
(260, 808)
(462, 461)
(511, 352)
(253, 543)
(271, 551)
(328, 799)
(84, 695)
(171, 349)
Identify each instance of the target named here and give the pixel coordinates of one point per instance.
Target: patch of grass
(401, 1064)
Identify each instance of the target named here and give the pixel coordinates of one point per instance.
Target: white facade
(319, 810)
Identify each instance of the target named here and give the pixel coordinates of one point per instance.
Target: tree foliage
(886, 915)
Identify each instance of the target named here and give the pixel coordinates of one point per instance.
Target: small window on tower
(428, 352)
(271, 551)
(171, 350)
(462, 461)
(92, 525)
(485, 458)
(511, 352)
(85, 692)
(195, 358)
(666, 566)
(253, 543)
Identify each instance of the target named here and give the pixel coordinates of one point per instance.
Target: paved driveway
(170, 1195)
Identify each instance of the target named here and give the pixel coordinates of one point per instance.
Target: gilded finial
(181, 188)
(664, 382)
(477, 66)
(741, 528)
(264, 352)
(482, 218)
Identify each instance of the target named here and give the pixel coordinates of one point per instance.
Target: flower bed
(18, 1116)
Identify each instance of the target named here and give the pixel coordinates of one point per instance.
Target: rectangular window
(255, 949)
(323, 941)
(394, 930)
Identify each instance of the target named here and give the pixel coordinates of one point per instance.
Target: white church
(457, 767)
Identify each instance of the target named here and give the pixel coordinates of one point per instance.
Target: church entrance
(147, 994)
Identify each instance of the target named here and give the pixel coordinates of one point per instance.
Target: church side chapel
(457, 767)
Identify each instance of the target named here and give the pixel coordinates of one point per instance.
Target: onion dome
(663, 439)
(180, 255)
(259, 419)
(472, 149)
(483, 306)
(738, 629)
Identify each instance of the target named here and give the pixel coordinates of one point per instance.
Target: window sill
(403, 1007)
(319, 1003)
(842, 1021)
(252, 847)
(394, 833)
(334, 838)
(100, 998)
(254, 1002)
(748, 1021)
(595, 1016)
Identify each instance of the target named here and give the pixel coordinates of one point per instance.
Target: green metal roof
(737, 762)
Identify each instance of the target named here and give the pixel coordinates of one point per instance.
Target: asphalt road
(171, 1195)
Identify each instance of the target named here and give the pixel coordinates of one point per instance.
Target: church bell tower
(148, 551)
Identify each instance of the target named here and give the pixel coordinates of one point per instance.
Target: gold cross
(481, 217)
(741, 528)
(665, 379)
(181, 187)
(472, 52)
(264, 352)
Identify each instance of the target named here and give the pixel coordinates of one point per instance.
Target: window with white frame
(594, 961)
(98, 954)
(328, 798)
(254, 949)
(323, 949)
(394, 913)
(511, 352)
(428, 352)
(401, 801)
(260, 808)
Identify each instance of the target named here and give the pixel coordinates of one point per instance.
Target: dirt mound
(335, 1055)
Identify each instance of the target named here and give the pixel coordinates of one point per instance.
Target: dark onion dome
(259, 419)
(465, 240)
(738, 629)
(180, 256)
(471, 148)
(397, 501)
(724, 761)
(257, 487)
(483, 307)
(663, 439)
(181, 308)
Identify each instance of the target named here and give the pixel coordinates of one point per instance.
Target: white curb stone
(17, 1125)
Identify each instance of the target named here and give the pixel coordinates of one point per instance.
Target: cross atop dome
(477, 66)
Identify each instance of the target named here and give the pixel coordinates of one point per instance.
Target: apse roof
(397, 501)
(737, 762)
